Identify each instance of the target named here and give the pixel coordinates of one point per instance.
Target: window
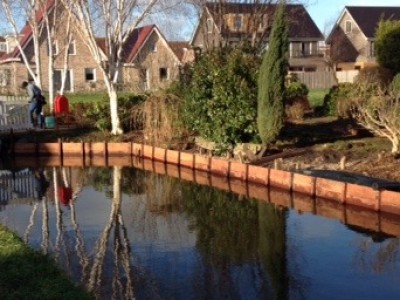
(154, 47)
(57, 75)
(237, 22)
(306, 48)
(163, 74)
(144, 77)
(372, 49)
(5, 77)
(210, 24)
(55, 48)
(90, 74)
(3, 47)
(348, 26)
(72, 48)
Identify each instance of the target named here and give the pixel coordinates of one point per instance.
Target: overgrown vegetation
(97, 113)
(160, 118)
(27, 274)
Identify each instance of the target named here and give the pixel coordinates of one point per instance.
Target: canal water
(124, 233)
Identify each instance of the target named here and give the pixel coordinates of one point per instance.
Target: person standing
(35, 103)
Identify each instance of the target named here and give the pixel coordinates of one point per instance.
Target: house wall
(206, 38)
(145, 73)
(350, 47)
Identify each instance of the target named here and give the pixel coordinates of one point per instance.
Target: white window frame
(210, 25)
(348, 26)
(372, 49)
(3, 47)
(72, 46)
(306, 46)
(167, 75)
(154, 48)
(93, 72)
(5, 77)
(56, 49)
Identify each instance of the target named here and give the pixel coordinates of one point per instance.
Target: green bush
(97, 113)
(396, 83)
(221, 102)
(338, 100)
(296, 89)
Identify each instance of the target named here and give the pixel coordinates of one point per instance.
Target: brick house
(351, 40)
(228, 23)
(148, 63)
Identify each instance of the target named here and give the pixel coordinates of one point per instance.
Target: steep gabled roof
(27, 32)
(368, 17)
(135, 41)
(138, 38)
(301, 25)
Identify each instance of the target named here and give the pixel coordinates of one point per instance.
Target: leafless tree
(14, 9)
(42, 19)
(378, 112)
(116, 19)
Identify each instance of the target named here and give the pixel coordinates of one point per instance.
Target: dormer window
(237, 22)
(348, 26)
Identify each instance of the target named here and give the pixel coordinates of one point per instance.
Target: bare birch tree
(14, 9)
(42, 20)
(58, 42)
(116, 20)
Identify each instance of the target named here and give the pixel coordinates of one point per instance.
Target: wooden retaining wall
(127, 154)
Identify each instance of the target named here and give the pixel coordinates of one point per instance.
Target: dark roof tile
(301, 25)
(368, 17)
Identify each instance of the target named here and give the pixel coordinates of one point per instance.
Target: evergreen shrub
(221, 100)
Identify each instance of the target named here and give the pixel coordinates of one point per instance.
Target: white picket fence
(14, 113)
(18, 186)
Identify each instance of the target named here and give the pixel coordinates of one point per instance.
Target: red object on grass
(61, 105)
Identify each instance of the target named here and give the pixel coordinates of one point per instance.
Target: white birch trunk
(115, 122)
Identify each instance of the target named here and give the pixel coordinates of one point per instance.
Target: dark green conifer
(271, 81)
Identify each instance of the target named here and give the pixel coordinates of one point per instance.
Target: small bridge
(14, 113)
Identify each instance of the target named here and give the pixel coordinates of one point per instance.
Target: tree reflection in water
(164, 238)
(232, 234)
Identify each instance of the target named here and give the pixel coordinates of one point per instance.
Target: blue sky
(326, 12)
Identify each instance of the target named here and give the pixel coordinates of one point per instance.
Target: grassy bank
(28, 274)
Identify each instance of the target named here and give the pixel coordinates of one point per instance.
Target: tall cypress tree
(271, 81)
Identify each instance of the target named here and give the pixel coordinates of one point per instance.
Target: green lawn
(28, 274)
(316, 97)
(87, 97)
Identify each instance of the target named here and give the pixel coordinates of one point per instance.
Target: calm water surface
(124, 233)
